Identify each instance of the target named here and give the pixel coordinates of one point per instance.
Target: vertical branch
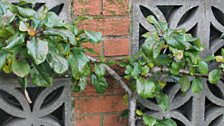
(132, 109)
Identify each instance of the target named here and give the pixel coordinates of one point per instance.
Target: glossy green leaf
(99, 83)
(3, 58)
(145, 88)
(163, 101)
(149, 120)
(203, 67)
(23, 26)
(95, 37)
(52, 20)
(58, 63)
(99, 69)
(65, 34)
(175, 67)
(81, 85)
(37, 49)
(42, 75)
(166, 122)
(26, 12)
(214, 76)
(21, 68)
(197, 85)
(174, 43)
(184, 83)
(15, 41)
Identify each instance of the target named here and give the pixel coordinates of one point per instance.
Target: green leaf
(3, 58)
(197, 85)
(26, 12)
(78, 62)
(27, 2)
(42, 75)
(173, 42)
(81, 85)
(163, 101)
(184, 83)
(136, 70)
(151, 19)
(23, 82)
(95, 37)
(99, 69)
(139, 112)
(21, 68)
(81, 18)
(52, 20)
(214, 76)
(149, 120)
(125, 114)
(166, 122)
(145, 70)
(38, 50)
(23, 26)
(145, 88)
(15, 41)
(210, 58)
(203, 67)
(65, 34)
(99, 83)
(163, 59)
(175, 67)
(58, 63)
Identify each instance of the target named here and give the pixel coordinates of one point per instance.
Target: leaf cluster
(40, 45)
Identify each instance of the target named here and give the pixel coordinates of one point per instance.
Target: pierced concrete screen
(51, 106)
(202, 18)
(61, 7)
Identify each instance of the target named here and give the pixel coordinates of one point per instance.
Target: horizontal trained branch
(182, 71)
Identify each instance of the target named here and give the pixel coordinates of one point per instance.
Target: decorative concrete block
(204, 19)
(62, 7)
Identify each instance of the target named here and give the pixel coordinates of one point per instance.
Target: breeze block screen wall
(204, 19)
(51, 106)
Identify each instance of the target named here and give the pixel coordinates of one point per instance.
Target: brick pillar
(112, 19)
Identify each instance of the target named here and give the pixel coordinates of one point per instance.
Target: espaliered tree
(38, 45)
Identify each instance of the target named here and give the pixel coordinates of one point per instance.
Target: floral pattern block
(204, 19)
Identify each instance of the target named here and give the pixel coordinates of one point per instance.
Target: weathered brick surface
(95, 104)
(111, 18)
(92, 120)
(115, 7)
(116, 47)
(114, 120)
(108, 26)
(87, 7)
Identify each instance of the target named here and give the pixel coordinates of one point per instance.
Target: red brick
(88, 120)
(116, 47)
(96, 104)
(87, 7)
(114, 120)
(108, 26)
(115, 7)
(113, 88)
(97, 48)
